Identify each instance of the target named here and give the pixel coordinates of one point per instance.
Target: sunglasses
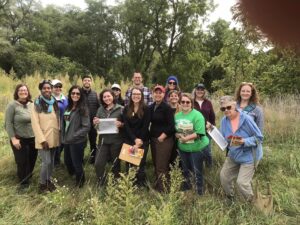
(247, 83)
(75, 93)
(57, 86)
(223, 109)
(172, 82)
(116, 89)
(185, 102)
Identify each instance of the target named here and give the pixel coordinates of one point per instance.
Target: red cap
(159, 87)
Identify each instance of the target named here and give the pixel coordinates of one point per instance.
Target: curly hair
(254, 93)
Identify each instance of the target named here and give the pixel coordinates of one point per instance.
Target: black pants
(92, 140)
(105, 153)
(25, 159)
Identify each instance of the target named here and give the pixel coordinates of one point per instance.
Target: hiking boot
(50, 185)
(43, 188)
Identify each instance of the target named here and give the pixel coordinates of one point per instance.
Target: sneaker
(51, 187)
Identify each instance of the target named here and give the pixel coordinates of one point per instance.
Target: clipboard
(218, 138)
(130, 155)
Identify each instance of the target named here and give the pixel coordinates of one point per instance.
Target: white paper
(218, 138)
(107, 126)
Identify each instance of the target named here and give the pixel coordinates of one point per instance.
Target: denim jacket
(248, 130)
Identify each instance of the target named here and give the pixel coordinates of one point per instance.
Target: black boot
(80, 180)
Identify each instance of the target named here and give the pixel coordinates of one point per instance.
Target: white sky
(222, 10)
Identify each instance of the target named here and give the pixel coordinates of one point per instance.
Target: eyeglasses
(75, 93)
(185, 102)
(223, 109)
(172, 83)
(116, 89)
(136, 94)
(57, 86)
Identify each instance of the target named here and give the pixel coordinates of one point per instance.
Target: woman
(192, 140)
(244, 150)
(136, 118)
(75, 127)
(176, 107)
(46, 126)
(62, 102)
(19, 129)
(248, 101)
(117, 91)
(162, 130)
(171, 84)
(203, 105)
(109, 145)
(173, 97)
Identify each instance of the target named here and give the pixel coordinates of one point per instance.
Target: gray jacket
(115, 112)
(78, 128)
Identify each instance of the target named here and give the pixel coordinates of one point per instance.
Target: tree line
(157, 37)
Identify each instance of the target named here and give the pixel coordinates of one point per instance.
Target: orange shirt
(235, 123)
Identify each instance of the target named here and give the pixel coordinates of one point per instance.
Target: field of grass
(122, 203)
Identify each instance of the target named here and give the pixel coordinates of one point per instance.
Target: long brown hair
(140, 112)
(254, 94)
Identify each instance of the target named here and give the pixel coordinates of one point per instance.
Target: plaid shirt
(147, 96)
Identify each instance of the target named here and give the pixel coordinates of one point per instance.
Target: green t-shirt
(193, 122)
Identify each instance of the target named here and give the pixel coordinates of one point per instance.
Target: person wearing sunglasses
(247, 99)
(171, 85)
(244, 149)
(62, 102)
(192, 141)
(75, 127)
(203, 105)
(45, 120)
(117, 90)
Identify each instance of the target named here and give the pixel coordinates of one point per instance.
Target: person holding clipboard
(109, 144)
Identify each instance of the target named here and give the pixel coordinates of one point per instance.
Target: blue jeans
(208, 155)
(192, 164)
(73, 158)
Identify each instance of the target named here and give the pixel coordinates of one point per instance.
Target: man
(137, 81)
(92, 102)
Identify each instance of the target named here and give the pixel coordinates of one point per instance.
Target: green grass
(122, 203)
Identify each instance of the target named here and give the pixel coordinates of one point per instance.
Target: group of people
(173, 123)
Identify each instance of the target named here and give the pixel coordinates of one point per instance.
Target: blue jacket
(252, 136)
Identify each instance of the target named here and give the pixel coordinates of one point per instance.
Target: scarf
(249, 108)
(49, 102)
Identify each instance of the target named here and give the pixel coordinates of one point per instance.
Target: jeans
(192, 164)
(25, 159)
(207, 155)
(47, 165)
(73, 158)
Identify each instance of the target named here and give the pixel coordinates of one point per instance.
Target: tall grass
(120, 202)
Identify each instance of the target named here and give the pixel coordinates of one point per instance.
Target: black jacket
(92, 102)
(162, 120)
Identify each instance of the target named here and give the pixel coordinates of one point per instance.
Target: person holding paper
(192, 141)
(136, 118)
(75, 127)
(109, 145)
(244, 150)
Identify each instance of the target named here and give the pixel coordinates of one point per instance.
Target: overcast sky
(222, 11)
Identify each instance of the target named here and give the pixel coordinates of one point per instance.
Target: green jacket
(115, 112)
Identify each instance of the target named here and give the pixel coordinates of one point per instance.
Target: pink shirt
(235, 123)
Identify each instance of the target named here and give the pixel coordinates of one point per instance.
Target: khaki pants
(244, 174)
